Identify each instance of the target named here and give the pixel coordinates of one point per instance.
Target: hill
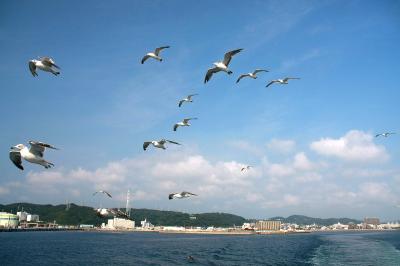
(86, 215)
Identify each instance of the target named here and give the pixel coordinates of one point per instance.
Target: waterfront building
(146, 224)
(22, 216)
(8, 220)
(32, 218)
(120, 223)
(371, 223)
(268, 225)
(248, 226)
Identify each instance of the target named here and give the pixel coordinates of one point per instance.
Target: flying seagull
(43, 63)
(181, 195)
(386, 134)
(187, 99)
(103, 212)
(246, 168)
(280, 81)
(154, 54)
(221, 66)
(184, 123)
(252, 75)
(104, 192)
(32, 155)
(158, 144)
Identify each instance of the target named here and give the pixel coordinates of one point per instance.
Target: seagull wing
(377, 135)
(272, 82)
(187, 193)
(286, 79)
(146, 144)
(108, 194)
(171, 196)
(191, 96)
(47, 61)
(15, 157)
(242, 76)
(228, 56)
(173, 142)
(188, 119)
(180, 103)
(145, 58)
(32, 68)
(176, 127)
(259, 70)
(95, 193)
(38, 148)
(158, 50)
(209, 73)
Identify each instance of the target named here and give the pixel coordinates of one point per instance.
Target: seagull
(103, 212)
(104, 192)
(44, 63)
(187, 99)
(184, 123)
(181, 195)
(158, 144)
(386, 134)
(280, 81)
(246, 168)
(154, 54)
(221, 66)
(252, 75)
(32, 155)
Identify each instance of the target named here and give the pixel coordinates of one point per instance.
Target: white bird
(280, 81)
(386, 134)
(184, 123)
(158, 144)
(221, 66)
(154, 54)
(32, 155)
(246, 168)
(252, 75)
(104, 192)
(44, 63)
(104, 212)
(181, 195)
(187, 99)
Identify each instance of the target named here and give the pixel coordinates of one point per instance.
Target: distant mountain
(303, 220)
(86, 215)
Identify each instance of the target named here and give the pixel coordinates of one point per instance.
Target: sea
(139, 248)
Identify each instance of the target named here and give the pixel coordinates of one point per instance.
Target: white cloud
(288, 184)
(355, 146)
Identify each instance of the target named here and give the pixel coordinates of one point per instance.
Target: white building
(32, 218)
(22, 216)
(8, 220)
(120, 223)
(146, 224)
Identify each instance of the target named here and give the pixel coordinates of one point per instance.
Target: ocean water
(108, 248)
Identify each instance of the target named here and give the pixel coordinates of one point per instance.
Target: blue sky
(311, 142)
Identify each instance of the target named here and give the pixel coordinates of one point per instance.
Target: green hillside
(86, 215)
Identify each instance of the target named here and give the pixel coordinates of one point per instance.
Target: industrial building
(371, 223)
(268, 225)
(8, 220)
(120, 223)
